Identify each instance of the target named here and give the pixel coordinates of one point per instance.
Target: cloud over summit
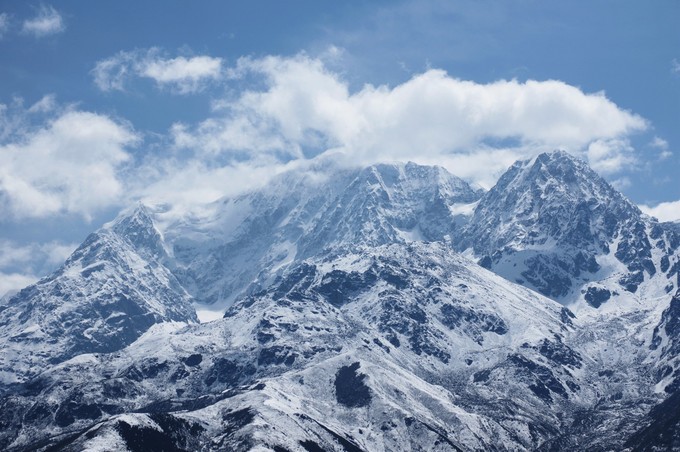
(299, 108)
(285, 109)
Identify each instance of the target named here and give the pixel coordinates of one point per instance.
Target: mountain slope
(353, 324)
(220, 249)
(554, 225)
(106, 295)
(376, 347)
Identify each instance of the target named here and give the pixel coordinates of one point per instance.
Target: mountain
(356, 318)
(107, 294)
(553, 224)
(218, 250)
(408, 341)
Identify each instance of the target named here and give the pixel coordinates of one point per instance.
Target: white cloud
(20, 264)
(187, 74)
(11, 282)
(69, 165)
(112, 73)
(609, 156)
(675, 66)
(188, 183)
(299, 108)
(621, 183)
(665, 211)
(47, 22)
(665, 155)
(662, 146)
(292, 109)
(45, 105)
(33, 257)
(182, 75)
(659, 143)
(4, 24)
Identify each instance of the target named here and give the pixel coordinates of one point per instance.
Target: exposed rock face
(110, 291)
(554, 225)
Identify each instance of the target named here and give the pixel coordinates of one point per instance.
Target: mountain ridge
(353, 323)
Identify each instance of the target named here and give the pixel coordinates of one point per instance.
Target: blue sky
(103, 104)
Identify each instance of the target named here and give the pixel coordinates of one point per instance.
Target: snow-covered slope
(383, 347)
(353, 324)
(109, 292)
(554, 225)
(218, 250)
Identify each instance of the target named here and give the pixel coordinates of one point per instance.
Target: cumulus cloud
(665, 211)
(289, 109)
(609, 156)
(298, 108)
(68, 165)
(47, 22)
(181, 74)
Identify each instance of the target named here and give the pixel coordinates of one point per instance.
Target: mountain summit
(555, 225)
(220, 250)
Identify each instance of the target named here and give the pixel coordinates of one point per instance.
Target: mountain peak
(548, 218)
(555, 180)
(558, 155)
(557, 165)
(339, 277)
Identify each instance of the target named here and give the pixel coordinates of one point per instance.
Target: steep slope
(218, 250)
(109, 292)
(385, 348)
(660, 428)
(554, 225)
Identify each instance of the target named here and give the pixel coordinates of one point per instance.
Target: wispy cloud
(45, 105)
(181, 74)
(675, 66)
(187, 73)
(662, 146)
(21, 263)
(25, 257)
(47, 22)
(11, 282)
(4, 24)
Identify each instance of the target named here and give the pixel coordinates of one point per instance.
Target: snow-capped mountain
(554, 225)
(106, 295)
(369, 348)
(353, 323)
(219, 250)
